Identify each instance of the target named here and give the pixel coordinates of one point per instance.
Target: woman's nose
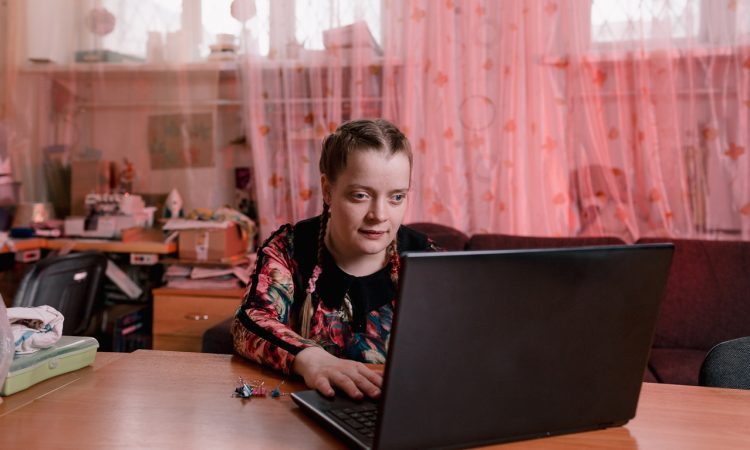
(377, 211)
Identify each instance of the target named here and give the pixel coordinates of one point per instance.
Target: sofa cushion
(445, 237)
(708, 294)
(676, 365)
(506, 241)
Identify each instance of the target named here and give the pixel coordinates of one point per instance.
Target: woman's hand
(323, 371)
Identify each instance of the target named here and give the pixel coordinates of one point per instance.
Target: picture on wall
(180, 141)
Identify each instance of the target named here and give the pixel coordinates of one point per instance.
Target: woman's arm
(261, 331)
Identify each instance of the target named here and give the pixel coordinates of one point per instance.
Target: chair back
(727, 365)
(69, 283)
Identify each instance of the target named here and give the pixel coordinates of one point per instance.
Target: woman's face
(367, 205)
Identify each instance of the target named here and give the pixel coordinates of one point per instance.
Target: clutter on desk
(173, 205)
(35, 219)
(256, 388)
(7, 349)
(34, 328)
(69, 353)
(110, 214)
(207, 235)
(197, 275)
(8, 193)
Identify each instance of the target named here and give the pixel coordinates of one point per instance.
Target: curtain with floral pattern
(543, 117)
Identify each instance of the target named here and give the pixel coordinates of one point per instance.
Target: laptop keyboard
(360, 418)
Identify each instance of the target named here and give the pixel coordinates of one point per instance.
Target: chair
(69, 283)
(727, 365)
(218, 338)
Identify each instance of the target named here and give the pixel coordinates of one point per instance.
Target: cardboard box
(212, 244)
(88, 177)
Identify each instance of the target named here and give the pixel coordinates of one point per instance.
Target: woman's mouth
(372, 234)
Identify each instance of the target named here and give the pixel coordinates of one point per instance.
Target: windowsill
(129, 67)
(599, 53)
(204, 66)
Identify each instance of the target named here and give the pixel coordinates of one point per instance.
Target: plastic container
(68, 354)
(6, 343)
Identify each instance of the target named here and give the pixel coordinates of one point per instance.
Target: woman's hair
(357, 135)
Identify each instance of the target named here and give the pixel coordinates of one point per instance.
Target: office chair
(69, 283)
(727, 365)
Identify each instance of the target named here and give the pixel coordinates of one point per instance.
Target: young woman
(321, 300)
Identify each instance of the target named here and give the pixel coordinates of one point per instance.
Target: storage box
(212, 244)
(68, 354)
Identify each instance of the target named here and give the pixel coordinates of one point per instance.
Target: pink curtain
(530, 117)
(536, 117)
(297, 96)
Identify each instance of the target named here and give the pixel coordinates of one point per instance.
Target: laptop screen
(504, 345)
(497, 346)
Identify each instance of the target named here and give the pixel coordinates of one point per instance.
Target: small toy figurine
(127, 176)
(173, 205)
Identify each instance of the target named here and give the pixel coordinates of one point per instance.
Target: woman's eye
(359, 196)
(398, 198)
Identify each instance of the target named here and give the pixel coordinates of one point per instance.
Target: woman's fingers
(375, 378)
(324, 372)
(346, 383)
(324, 386)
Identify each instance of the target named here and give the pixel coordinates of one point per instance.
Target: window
(670, 22)
(617, 21)
(185, 29)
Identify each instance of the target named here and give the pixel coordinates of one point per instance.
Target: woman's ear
(325, 189)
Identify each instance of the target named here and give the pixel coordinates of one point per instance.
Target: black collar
(366, 293)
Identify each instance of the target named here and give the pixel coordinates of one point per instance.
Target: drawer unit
(182, 316)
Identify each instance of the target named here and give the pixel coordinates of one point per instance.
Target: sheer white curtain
(324, 66)
(562, 117)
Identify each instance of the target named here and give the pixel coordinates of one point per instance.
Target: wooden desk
(181, 316)
(184, 400)
(101, 245)
(23, 244)
(43, 388)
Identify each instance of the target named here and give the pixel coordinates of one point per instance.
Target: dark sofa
(707, 299)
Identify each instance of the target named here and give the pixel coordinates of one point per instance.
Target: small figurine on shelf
(173, 205)
(127, 176)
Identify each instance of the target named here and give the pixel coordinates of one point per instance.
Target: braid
(321, 243)
(391, 255)
(307, 308)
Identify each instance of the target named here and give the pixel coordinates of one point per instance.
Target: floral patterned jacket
(356, 326)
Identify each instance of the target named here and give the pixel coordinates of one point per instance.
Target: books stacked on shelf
(186, 275)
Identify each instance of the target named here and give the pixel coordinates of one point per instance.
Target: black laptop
(494, 346)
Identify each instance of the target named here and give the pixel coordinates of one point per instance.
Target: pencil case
(68, 354)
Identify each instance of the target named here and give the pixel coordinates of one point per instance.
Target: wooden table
(83, 244)
(161, 399)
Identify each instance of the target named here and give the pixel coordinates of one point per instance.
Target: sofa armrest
(498, 241)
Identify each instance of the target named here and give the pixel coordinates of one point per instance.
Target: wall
(105, 110)
(3, 56)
